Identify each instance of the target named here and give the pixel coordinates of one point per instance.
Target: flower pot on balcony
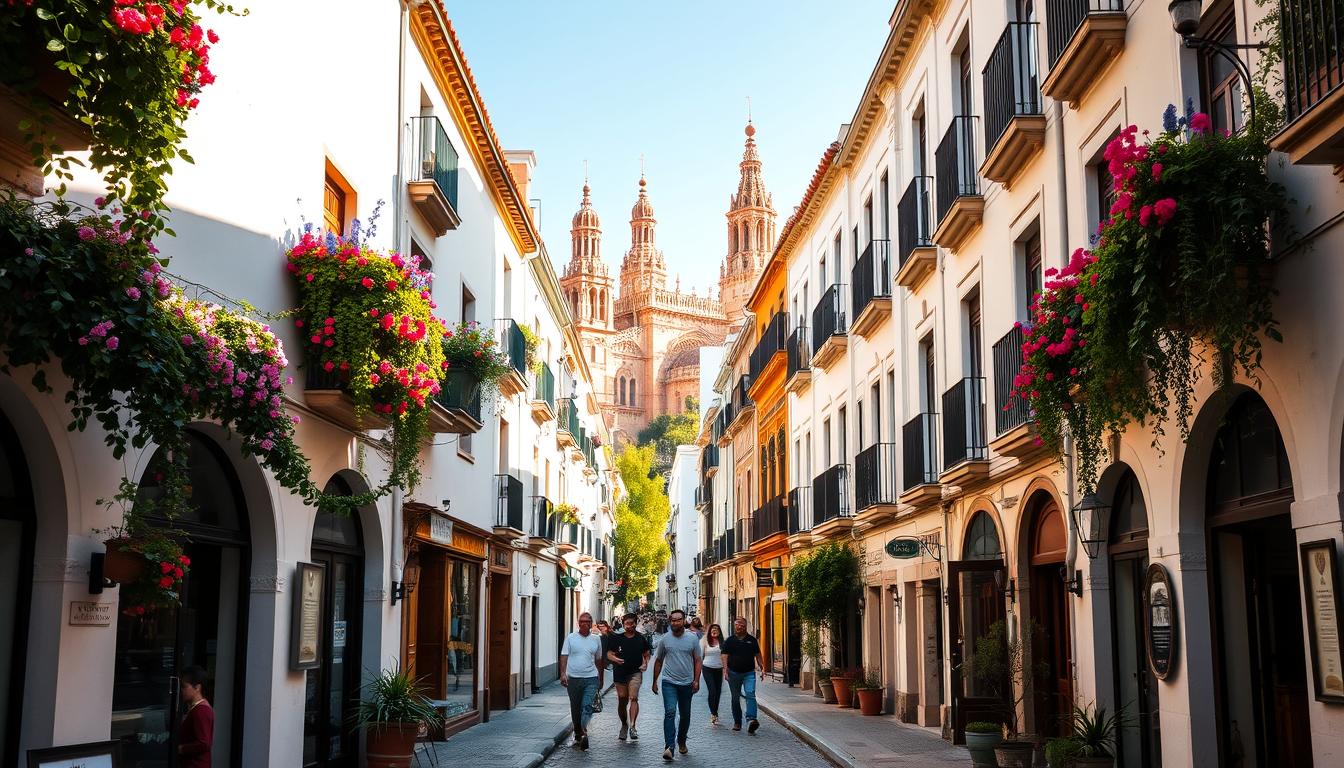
(827, 691)
(121, 566)
(391, 745)
(459, 387)
(844, 691)
(870, 700)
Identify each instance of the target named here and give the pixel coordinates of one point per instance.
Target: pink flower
(112, 342)
(1145, 214)
(1157, 171)
(367, 283)
(267, 445)
(133, 292)
(308, 277)
(87, 233)
(1200, 122)
(1165, 209)
(186, 340)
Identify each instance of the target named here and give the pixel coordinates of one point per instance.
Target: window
(632, 402)
(843, 418)
(975, 363)
(920, 131)
(1220, 87)
(826, 442)
(884, 198)
(928, 386)
(807, 467)
(426, 264)
(1104, 184)
(839, 257)
(468, 304)
(859, 421)
(338, 201)
(964, 75)
(875, 404)
(891, 404)
(621, 395)
(1031, 273)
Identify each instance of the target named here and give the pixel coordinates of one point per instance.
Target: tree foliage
(641, 520)
(822, 585)
(668, 431)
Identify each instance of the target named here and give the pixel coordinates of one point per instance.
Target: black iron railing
(1312, 36)
(704, 495)
(709, 458)
(568, 417)
(509, 503)
(1010, 411)
(964, 422)
(1064, 17)
(770, 518)
(742, 533)
(875, 476)
(435, 159)
(512, 343)
(741, 400)
(460, 391)
(724, 418)
(830, 494)
(828, 317)
(771, 342)
(954, 163)
(798, 351)
(543, 523)
(545, 389)
(871, 277)
(919, 458)
(800, 509)
(914, 218)
(1012, 80)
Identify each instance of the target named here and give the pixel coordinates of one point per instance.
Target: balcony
(327, 394)
(509, 520)
(541, 528)
(576, 451)
(769, 349)
(709, 461)
(1015, 434)
(567, 424)
(742, 534)
(704, 497)
(771, 518)
(722, 432)
(1084, 37)
(1014, 121)
(915, 251)
(871, 288)
(457, 407)
(566, 536)
(829, 328)
(43, 103)
(741, 405)
(1313, 70)
(831, 508)
(432, 187)
(543, 395)
(919, 460)
(965, 448)
(800, 517)
(875, 485)
(961, 206)
(798, 354)
(513, 344)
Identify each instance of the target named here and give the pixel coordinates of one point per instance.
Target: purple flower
(112, 342)
(186, 340)
(87, 233)
(267, 445)
(133, 292)
(1169, 122)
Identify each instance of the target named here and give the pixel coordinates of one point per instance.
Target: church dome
(586, 217)
(643, 208)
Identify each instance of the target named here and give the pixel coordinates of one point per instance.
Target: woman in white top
(711, 646)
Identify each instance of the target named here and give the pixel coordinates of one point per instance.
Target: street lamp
(1092, 518)
(1185, 20)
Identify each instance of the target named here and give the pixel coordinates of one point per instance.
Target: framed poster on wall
(305, 647)
(102, 754)
(1320, 580)
(1159, 618)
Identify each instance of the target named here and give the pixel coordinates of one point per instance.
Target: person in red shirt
(196, 732)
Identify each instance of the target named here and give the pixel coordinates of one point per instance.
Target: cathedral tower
(751, 233)
(643, 269)
(586, 284)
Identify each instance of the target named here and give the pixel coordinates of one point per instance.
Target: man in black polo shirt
(742, 657)
(628, 653)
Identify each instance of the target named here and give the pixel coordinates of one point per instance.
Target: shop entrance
(1053, 705)
(17, 529)
(1135, 686)
(976, 608)
(1262, 675)
(208, 628)
(501, 635)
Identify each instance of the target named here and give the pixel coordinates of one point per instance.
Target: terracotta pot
(391, 745)
(122, 567)
(981, 746)
(828, 691)
(870, 700)
(844, 691)
(1015, 754)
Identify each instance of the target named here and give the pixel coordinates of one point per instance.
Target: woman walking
(711, 647)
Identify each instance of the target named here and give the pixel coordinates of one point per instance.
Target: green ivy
(822, 584)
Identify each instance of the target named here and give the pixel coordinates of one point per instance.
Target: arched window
(632, 401)
(602, 304)
(621, 395)
(982, 539)
(1248, 456)
(1129, 516)
(732, 235)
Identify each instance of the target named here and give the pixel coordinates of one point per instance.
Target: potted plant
(475, 361)
(843, 681)
(823, 587)
(392, 712)
(1061, 752)
(869, 691)
(997, 663)
(981, 739)
(1094, 731)
(566, 513)
(826, 684)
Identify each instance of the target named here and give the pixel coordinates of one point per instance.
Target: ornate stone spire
(585, 236)
(586, 283)
(643, 267)
(751, 232)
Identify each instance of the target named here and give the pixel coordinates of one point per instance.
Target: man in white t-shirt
(581, 665)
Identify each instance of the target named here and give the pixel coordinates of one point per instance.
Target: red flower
(177, 573)
(367, 282)
(1200, 122)
(165, 582)
(166, 567)
(185, 561)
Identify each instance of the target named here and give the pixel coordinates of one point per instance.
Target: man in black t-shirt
(742, 656)
(628, 653)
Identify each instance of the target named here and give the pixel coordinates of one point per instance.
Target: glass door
(976, 607)
(333, 688)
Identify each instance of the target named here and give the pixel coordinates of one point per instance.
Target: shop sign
(441, 529)
(903, 547)
(765, 578)
(1159, 610)
(305, 647)
(1320, 575)
(87, 614)
(102, 754)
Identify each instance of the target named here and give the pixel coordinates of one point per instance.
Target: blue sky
(606, 82)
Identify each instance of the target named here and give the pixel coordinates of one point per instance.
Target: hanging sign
(903, 547)
(764, 578)
(1320, 577)
(1159, 614)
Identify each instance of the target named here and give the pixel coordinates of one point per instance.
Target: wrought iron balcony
(830, 327)
(704, 496)
(509, 503)
(460, 398)
(960, 203)
(800, 510)
(1312, 35)
(870, 282)
(830, 495)
(964, 438)
(799, 356)
(1014, 120)
(875, 477)
(915, 252)
(512, 342)
(770, 344)
(567, 423)
(433, 178)
(542, 525)
(742, 404)
(328, 394)
(709, 460)
(1010, 411)
(770, 518)
(1083, 37)
(742, 533)
(543, 394)
(919, 457)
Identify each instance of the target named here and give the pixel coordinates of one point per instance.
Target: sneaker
(583, 742)
(713, 719)
(625, 730)
(751, 728)
(681, 747)
(667, 754)
(634, 735)
(737, 726)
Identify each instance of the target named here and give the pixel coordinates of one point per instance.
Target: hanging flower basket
(149, 569)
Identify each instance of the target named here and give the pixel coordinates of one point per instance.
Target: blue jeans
(676, 697)
(581, 693)
(742, 684)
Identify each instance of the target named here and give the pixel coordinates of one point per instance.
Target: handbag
(597, 703)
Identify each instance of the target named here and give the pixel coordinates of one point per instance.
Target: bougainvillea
(472, 348)
(131, 72)
(369, 327)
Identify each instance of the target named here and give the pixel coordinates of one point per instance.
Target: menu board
(306, 629)
(1320, 580)
(1160, 621)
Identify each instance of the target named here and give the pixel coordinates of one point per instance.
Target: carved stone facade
(643, 346)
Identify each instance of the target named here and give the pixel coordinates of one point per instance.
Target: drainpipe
(397, 555)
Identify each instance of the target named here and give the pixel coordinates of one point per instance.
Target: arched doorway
(17, 527)
(1261, 669)
(332, 690)
(1052, 660)
(1135, 686)
(208, 628)
(975, 613)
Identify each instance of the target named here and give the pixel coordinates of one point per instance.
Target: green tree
(668, 431)
(641, 523)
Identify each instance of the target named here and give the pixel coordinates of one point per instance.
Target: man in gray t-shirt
(678, 655)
